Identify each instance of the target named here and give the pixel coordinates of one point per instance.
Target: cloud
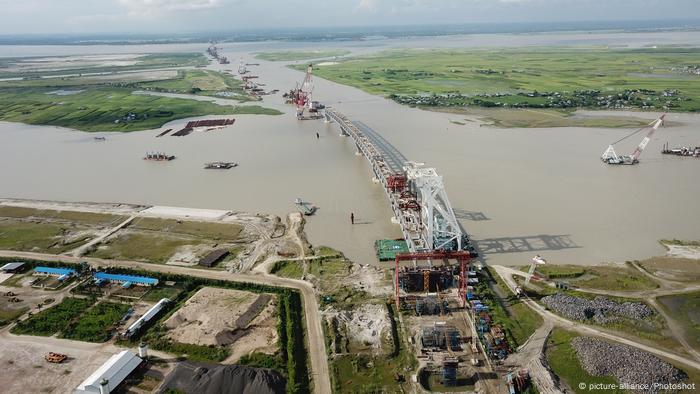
(150, 7)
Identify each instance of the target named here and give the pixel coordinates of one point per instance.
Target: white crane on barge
(611, 157)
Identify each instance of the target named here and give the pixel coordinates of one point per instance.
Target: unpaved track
(507, 273)
(80, 250)
(317, 349)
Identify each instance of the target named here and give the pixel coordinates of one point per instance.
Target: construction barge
(220, 165)
(207, 125)
(685, 151)
(306, 208)
(158, 156)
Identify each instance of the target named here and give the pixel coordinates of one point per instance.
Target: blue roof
(54, 271)
(126, 278)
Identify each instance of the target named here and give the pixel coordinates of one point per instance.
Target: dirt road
(507, 273)
(317, 350)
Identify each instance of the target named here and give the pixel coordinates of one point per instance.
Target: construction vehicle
(537, 260)
(56, 358)
(611, 157)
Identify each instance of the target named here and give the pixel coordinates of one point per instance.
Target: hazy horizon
(177, 17)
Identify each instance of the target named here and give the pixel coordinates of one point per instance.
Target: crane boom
(647, 138)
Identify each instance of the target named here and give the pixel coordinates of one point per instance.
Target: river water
(517, 191)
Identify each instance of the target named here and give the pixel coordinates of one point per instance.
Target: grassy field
(33, 67)
(517, 319)
(652, 330)
(107, 103)
(140, 247)
(279, 56)
(100, 108)
(158, 293)
(206, 230)
(36, 237)
(101, 219)
(202, 82)
(564, 362)
(7, 315)
(685, 308)
(54, 319)
(651, 78)
(673, 268)
(599, 277)
(328, 273)
(96, 324)
(288, 269)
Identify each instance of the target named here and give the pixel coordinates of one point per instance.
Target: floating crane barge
(611, 157)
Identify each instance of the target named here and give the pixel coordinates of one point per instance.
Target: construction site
(302, 97)
(435, 284)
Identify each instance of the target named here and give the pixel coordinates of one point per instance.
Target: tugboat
(306, 208)
(158, 156)
(220, 165)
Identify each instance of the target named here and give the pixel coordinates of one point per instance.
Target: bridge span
(416, 193)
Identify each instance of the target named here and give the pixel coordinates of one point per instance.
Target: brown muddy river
(519, 192)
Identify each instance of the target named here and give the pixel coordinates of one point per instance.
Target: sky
(19, 17)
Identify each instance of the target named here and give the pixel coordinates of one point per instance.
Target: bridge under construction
(416, 193)
(418, 198)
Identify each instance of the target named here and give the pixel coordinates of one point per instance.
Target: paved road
(317, 349)
(507, 273)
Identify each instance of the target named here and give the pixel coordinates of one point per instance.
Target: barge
(220, 165)
(158, 156)
(686, 151)
(306, 208)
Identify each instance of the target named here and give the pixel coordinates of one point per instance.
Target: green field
(279, 56)
(616, 278)
(7, 315)
(54, 319)
(105, 108)
(654, 79)
(96, 324)
(202, 82)
(685, 308)
(288, 269)
(34, 67)
(102, 219)
(564, 362)
(206, 230)
(36, 237)
(152, 248)
(518, 321)
(109, 102)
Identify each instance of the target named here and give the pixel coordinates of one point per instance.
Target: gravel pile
(602, 310)
(627, 364)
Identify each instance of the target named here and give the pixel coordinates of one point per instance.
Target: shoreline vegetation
(550, 81)
(111, 100)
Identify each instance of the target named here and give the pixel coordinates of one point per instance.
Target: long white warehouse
(146, 317)
(113, 372)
